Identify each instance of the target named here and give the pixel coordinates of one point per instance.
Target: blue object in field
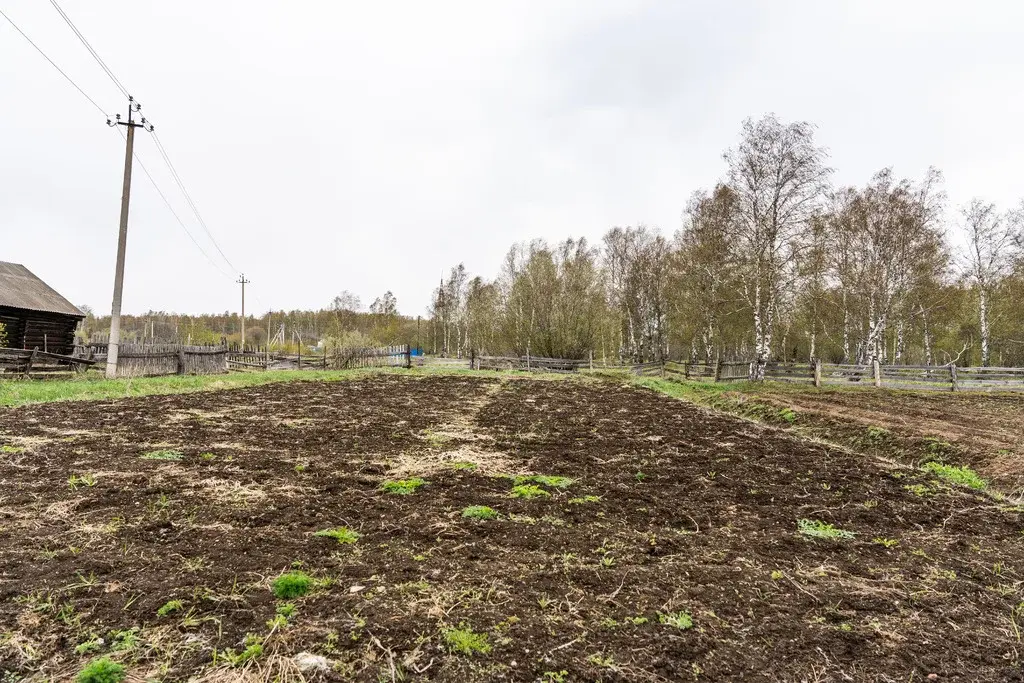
(416, 352)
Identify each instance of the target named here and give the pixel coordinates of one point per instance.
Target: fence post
(953, 384)
(663, 368)
(325, 355)
(718, 370)
(876, 372)
(591, 358)
(408, 356)
(527, 358)
(817, 372)
(31, 359)
(181, 360)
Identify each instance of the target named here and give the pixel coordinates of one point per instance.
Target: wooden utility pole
(242, 281)
(122, 235)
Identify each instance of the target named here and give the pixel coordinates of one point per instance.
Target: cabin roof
(20, 288)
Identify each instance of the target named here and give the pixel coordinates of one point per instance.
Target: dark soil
(982, 430)
(673, 510)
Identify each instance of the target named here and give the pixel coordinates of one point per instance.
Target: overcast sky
(368, 146)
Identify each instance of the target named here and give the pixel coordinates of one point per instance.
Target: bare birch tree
(992, 241)
(778, 176)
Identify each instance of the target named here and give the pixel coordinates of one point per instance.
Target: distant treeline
(773, 263)
(342, 323)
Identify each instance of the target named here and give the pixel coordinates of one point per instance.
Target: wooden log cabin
(33, 314)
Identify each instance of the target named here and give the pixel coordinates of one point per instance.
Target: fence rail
(29, 362)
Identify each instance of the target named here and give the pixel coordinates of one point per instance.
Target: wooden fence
(148, 360)
(373, 357)
(934, 377)
(34, 362)
(527, 362)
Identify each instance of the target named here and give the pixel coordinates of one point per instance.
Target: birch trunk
(983, 320)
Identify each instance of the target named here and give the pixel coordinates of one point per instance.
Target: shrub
(964, 476)
(291, 585)
(464, 641)
(341, 534)
(817, 529)
(480, 512)
(102, 670)
(402, 487)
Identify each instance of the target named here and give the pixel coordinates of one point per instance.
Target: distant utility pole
(242, 281)
(122, 235)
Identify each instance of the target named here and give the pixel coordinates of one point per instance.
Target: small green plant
(585, 499)
(548, 480)
(125, 641)
(601, 660)
(462, 465)
(92, 645)
(464, 641)
(163, 454)
(639, 476)
(788, 414)
(402, 487)
(170, 607)
(299, 468)
(554, 676)
(937, 448)
(479, 512)
(278, 621)
(636, 621)
(529, 491)
(341, 534)
(76, 480)
(11, 450)
(291, 585)
(964, 476)
(920, 490)
(102, 670)
(777, 575)
(815, 528)
(877, 434)
(286, 609)
(680, 620)
(886, 542)
(207, 456)
(253, 648)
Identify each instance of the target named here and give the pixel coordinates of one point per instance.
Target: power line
(188, 198)
(89, 47)
(156, 139)
(159, 144)
(175, 214)
(53, 64)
